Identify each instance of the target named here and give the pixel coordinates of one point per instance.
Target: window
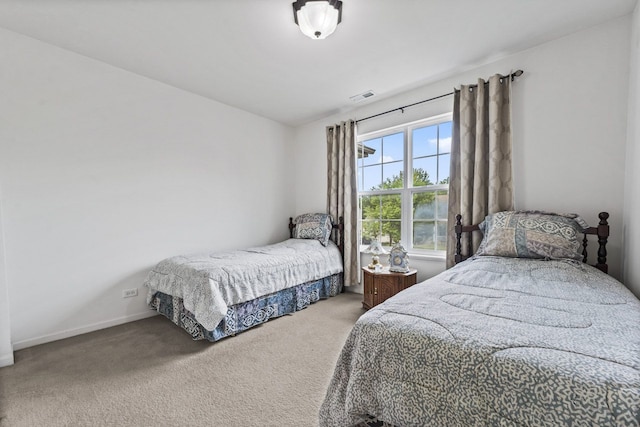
(403, 185)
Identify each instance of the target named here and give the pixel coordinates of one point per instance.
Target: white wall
(569, 128)
(6, 348)
(104, 173)
(632, 179)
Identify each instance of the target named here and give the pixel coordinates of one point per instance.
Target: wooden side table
(379, 286)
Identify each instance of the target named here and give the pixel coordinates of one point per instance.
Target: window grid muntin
(381, 194)
(385, 143)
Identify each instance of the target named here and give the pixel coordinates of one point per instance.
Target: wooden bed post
(340, 234)
(291, 227)
(603, 233)
(459, 229)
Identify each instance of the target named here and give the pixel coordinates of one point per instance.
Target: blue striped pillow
(314, 226)
(532, 234)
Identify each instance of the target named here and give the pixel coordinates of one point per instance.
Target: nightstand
(379, 286)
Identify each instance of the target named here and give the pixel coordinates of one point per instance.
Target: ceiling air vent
(360, 97)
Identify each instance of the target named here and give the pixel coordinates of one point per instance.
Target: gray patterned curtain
(342, 192)
(481, 180)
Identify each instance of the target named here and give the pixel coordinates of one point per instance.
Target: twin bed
(524, 333)
(216, 295)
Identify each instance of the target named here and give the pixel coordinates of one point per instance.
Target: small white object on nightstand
(375, 249)
(398, 259)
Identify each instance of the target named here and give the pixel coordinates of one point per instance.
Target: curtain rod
(513, 75)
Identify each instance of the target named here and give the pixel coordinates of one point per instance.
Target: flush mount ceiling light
(317, 19)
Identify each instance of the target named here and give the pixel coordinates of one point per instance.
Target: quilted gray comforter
(209, 283)
(495, 341)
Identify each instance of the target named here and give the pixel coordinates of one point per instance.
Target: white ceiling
(250, 54)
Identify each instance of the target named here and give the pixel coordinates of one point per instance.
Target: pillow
(532, 234)
(314, 226)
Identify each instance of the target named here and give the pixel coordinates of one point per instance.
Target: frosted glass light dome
(317, 19)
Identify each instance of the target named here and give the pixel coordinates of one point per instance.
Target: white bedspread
(209, 283)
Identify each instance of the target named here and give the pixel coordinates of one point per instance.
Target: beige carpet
(150, 373)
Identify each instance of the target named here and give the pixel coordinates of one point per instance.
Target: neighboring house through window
(403, 185)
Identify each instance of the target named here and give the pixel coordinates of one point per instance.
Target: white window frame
(408, 190)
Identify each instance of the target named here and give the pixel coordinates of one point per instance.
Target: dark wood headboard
(602, 231)
(336, 233)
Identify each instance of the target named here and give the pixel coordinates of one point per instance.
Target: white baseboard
(81, 330)
(6, 359)
(355, 289)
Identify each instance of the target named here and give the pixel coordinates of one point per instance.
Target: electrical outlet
(128, 293)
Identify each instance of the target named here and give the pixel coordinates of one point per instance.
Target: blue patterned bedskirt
(243, 316)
